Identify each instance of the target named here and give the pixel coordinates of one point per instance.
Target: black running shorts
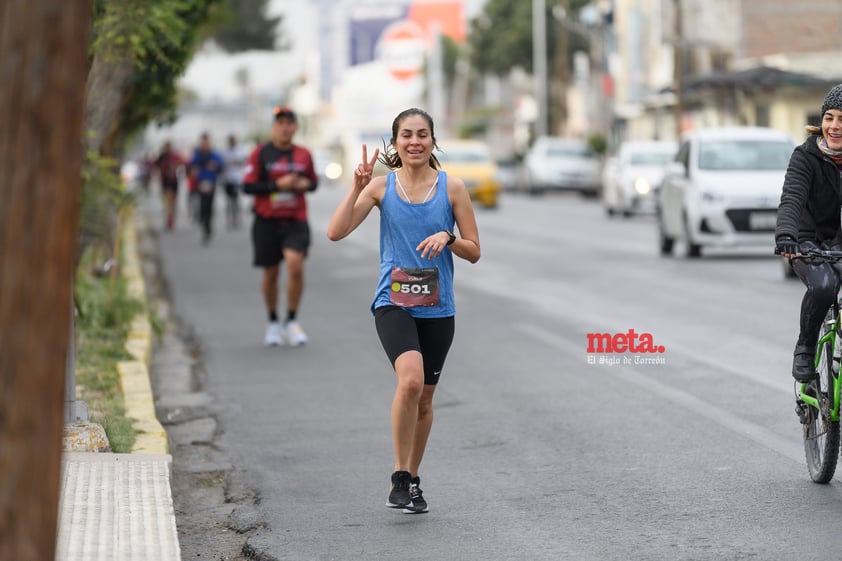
(271, 236)
(400, 332)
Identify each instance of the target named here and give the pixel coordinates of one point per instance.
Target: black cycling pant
(822, 282)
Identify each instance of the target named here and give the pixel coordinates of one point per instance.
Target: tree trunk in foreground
(43, 58)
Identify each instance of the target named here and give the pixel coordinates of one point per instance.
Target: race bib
(412, 288)
(282, 199)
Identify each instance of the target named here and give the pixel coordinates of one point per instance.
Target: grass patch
(103, 316)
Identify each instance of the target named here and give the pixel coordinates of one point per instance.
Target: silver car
(631, 178)
(565, 164)
(723, 188)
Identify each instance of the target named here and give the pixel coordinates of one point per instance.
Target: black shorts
(168, 185)
(400, 332)
(271, 236)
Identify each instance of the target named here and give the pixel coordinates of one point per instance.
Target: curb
(134, 374)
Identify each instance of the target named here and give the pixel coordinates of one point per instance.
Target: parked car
(471, 161)
(723, 188)
(561, 164)
(630, 179)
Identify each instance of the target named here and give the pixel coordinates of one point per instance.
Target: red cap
(280, 112)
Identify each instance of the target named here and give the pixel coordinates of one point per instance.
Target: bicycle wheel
(821, 434)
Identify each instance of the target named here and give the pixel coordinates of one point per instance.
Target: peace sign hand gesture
(362, 175)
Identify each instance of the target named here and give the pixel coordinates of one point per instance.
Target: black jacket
(811, 198)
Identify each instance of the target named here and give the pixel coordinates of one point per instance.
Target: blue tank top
(403, 226)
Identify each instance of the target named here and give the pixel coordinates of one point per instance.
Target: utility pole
(43, 60)
(678, 63)
(436, 99)
(539, 63)
(562, 68)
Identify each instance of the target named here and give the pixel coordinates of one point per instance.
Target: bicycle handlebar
(817, 254)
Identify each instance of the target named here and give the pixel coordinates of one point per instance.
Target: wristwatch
(451, 235)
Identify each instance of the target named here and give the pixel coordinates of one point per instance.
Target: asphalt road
(536, 453)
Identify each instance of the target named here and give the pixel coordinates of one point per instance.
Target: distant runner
(278, 174)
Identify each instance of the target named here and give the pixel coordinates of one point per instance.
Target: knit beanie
(833, 99)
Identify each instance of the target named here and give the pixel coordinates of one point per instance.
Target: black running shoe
(399, 493)
(419, 505)
(803, 364)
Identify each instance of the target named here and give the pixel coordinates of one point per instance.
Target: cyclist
(278, 173)
(205, 167)
(418, 208)
(808, 217)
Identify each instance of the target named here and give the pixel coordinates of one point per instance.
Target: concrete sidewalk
(119, 507)
(116, 507)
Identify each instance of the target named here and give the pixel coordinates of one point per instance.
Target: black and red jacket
(265, 165)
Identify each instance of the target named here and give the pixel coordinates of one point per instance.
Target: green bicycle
(817, 402)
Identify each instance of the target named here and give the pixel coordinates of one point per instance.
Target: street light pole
(539, 63)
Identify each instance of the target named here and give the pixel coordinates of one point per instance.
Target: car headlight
(642, 186)
(333, 170)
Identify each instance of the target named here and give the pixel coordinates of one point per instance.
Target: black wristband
(451, 236)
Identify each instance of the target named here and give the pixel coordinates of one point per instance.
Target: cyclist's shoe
(399, 493)
(803, 364)
(273, 336)
(293, 334)
(419, 505)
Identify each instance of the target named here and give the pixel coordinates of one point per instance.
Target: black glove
(785, 245)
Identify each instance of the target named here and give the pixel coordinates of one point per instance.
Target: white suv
(723, 189)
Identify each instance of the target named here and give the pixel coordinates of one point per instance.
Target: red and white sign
(402, 47)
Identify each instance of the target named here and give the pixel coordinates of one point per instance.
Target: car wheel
(665, 242)
(693, 249)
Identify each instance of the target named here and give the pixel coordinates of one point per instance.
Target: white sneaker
(293, 334)
(273, 335)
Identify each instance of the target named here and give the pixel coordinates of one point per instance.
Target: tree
(43, 59)
(501, 36)
(140, 48)
(247, 27)
(501, 39)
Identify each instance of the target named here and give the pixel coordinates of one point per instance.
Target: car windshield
(651, 158)
(569, 151)
(744, 155)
